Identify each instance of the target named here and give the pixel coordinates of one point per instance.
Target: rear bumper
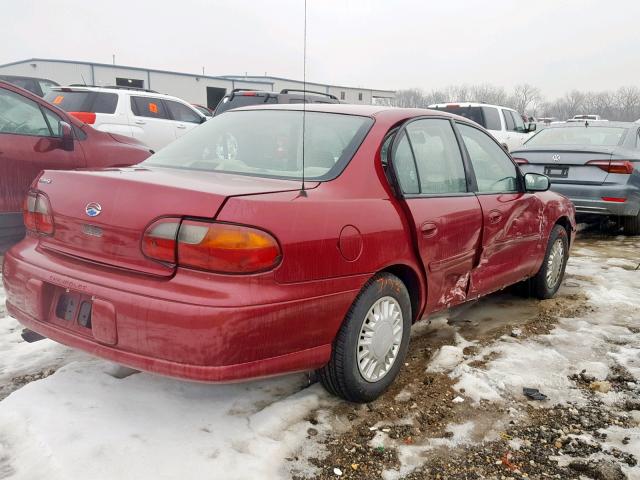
(588, 199)
(181, 327)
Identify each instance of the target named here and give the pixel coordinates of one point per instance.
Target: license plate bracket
(556, 172)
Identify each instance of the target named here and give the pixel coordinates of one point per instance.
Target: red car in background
(215, 260)
(34, 136)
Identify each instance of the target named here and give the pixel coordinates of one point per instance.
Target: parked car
(34, 136)
(207, 112)
(39, 86)
(153, 118)
(243, 97)
(217, 261)
(582, 118)
(505, 124)
(597, 166)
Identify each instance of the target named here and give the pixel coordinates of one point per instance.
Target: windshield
(578, 135)
(268, 143)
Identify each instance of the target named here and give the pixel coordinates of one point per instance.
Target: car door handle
(428, 229)
(494, 217)
(180, 125)
(140, 122)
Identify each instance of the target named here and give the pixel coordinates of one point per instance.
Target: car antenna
(304, 98)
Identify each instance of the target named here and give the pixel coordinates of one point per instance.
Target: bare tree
(525, 98)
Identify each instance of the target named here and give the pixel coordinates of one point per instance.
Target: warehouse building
(194, 88)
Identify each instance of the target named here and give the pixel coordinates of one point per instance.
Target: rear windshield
(268, 143)
(578, 135)
(83, 101)
(488, 117)
(236, 101)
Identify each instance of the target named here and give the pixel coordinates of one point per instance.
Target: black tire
(631, 225)
(538, 285)
(341, 376)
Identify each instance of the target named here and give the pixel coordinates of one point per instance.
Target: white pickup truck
(505, 124)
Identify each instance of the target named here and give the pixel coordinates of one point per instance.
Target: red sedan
(35, 135)
(215, 260)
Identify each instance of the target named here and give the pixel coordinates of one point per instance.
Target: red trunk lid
(130, 199)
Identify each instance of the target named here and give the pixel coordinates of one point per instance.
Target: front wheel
(370, 347)
(548, 279)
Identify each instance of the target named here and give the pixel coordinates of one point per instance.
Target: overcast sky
(556, 45)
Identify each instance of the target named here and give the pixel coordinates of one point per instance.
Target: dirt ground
(544, 432)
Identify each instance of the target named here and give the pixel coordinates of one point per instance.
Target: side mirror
(532, 127)
(66, 137)
(536, 182)
(203, 119)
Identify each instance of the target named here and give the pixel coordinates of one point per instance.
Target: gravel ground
(427, 426)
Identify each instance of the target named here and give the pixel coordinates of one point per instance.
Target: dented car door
(447, 216)
(512, 218)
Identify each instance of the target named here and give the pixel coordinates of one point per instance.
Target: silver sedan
(595, 164)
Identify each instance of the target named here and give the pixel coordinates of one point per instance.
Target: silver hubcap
(554, 263)
(380, 338)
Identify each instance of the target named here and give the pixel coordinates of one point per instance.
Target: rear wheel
(547, 281)
(631, 225)
(370, 347)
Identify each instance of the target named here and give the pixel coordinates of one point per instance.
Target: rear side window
(405, 166)
(149, 107)
(83, 101)
(182, 113)
(438, 158)
(491, 118)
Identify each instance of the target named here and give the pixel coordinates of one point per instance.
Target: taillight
(37, 213)
(520, 161)
(216, 247)
(614, 166)
(86, 117)
(159, 240)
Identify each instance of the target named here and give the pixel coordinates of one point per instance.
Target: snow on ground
(92, 419)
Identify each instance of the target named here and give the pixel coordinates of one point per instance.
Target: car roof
(137, 92)
(26, 77)
(594, 123)
(467, 104)
(378, 111)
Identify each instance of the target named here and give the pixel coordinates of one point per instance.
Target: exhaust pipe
(30, 336)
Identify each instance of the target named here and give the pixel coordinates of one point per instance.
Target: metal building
(194, 88)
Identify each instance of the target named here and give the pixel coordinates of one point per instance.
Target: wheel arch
(416, 286)
(565, 223)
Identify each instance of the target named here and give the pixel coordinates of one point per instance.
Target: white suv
(153, 118)
(505, 124)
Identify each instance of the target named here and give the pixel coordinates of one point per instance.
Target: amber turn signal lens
(226, 248)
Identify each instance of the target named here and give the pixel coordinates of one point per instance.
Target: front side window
(54, 122)
(182, 113)
(437, 155)
(20, 115)
(268, 143)
(149, 107)
(508, 121)
(518, 122)
(494, 170)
